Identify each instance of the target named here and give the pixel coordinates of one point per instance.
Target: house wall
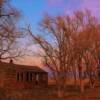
(43, 78)
(10, 78)
(2, 77)
(24, 79)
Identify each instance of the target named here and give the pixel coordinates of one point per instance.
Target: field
(49, 93)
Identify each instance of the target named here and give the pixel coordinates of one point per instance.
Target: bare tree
(9, 32)
(56, 45)
(85, 43)
(67, 44)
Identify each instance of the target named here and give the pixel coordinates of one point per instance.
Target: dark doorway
(17, 76)
(98, 74)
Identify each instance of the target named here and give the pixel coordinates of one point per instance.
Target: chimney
(11, 61)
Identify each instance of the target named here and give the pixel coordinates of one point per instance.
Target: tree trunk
(75, 80)
(60, 92)
(92, 83)
(81, 86)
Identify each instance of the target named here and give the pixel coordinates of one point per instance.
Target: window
(21, 76)
(30, 76)
(37, 79)
(17, 76)
(27, 76)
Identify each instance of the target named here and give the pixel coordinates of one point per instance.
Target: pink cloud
(33, 61)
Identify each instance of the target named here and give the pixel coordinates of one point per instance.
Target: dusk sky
(33, 10)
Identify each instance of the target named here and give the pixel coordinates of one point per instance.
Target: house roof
(4, 65)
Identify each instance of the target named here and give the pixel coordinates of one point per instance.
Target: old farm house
(21, 76)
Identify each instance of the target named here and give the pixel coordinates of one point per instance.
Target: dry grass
(49, 93)
(69, 81)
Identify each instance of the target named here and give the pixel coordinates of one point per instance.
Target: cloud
(33, 61)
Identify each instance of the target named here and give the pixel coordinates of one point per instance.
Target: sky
(33, 10)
